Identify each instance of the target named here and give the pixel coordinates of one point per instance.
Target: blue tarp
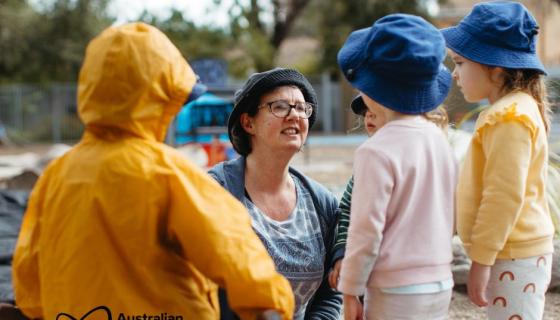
(208, 111)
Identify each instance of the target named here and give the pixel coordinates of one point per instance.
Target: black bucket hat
(247, 98)
(358, 105)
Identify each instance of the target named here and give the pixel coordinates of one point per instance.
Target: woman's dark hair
(240, 139)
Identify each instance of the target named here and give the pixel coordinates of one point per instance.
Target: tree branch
(282, 25)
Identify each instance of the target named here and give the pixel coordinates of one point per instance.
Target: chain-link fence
(34, 113)
(48, 114)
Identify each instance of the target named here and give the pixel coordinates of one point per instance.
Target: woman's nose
(293, 114)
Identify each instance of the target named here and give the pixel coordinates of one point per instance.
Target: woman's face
(268, 131)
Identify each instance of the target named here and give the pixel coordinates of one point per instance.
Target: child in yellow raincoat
(122, 223)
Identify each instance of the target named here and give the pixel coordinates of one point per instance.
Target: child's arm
(507, 147)
(344, 219)
(341, 232)
(479, 275)
(373, 184)
(353, 308)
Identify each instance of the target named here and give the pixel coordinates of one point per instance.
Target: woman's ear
(246, 122)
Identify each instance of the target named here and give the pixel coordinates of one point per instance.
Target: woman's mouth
(290, 131)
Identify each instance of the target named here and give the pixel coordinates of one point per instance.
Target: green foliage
(67, 28)
(17, 56)
(194, 42)
(198, 42)
(47, 45)
(260, 27)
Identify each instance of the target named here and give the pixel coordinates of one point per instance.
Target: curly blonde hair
(439, 117)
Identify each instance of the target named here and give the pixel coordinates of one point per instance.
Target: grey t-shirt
(295, 245)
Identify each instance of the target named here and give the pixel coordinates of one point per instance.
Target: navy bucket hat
(501, 34)
(398, 63)
(197, 90)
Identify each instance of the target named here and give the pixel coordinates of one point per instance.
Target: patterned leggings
(517, 287)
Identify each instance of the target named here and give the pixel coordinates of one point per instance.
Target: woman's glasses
(282, 108)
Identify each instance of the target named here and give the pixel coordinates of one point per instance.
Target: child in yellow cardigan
(503, 217)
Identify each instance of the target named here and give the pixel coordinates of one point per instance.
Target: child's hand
(335, 273)
(353, 309)
(478, 281)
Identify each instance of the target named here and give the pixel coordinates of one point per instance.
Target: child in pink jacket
(399, 243)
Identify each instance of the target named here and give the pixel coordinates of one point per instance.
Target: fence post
(18, 111)
(56, 114)
(326, 95)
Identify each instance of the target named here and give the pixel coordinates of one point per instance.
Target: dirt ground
(332, 166)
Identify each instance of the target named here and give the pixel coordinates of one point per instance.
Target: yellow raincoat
(125, 222)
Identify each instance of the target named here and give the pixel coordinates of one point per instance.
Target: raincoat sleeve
(215, 232)
(25, 264)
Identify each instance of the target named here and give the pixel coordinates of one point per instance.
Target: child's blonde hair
(439, 117)
(532, 82)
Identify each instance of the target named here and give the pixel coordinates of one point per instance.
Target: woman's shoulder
(325, 198)
(220, 169)
(309, 183)
(228, 174)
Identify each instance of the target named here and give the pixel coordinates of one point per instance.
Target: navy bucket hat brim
(391, 79)
(499, 34)
(470, 47)
(197, 91)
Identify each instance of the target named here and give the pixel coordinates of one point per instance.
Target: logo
(99, 309)
(105, 310)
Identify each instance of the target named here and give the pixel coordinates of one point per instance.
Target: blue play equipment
(203, 120)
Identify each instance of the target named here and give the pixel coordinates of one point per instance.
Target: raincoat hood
(119, 93)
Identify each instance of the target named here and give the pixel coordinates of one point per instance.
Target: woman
(293, 215)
